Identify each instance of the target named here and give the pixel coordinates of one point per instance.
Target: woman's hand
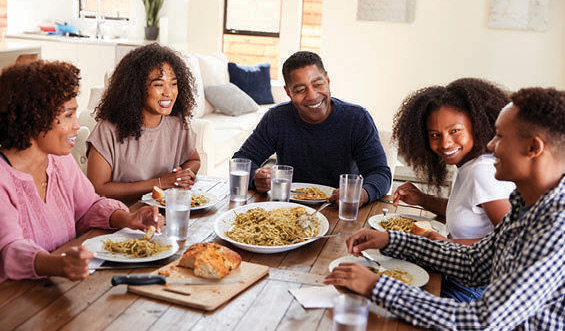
(408, 193)
(353, 276)
(138, 220)
(74, 262)
(262, 179)
(71, 263)
(365, 239)
(181, 178)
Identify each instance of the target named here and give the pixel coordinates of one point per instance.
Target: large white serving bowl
(224, 223)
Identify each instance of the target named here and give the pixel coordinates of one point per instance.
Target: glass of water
(239, 179)
(351, 312)
(177, 213)
(350, 186)
(281, 179)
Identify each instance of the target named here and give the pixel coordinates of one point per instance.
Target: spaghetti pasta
(310, 193)
(398, 223)
(135, 247)
(276, 227)
(397, 274)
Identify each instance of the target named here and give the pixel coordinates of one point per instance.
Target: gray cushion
(230, 99)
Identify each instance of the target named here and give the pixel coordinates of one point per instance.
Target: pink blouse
(28, 225)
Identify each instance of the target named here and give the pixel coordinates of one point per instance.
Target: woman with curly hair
(46, 199)
(452, 125)
(143, 137)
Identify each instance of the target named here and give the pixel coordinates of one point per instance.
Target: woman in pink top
(46, 200)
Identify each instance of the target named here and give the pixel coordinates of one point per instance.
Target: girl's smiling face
(450, 135)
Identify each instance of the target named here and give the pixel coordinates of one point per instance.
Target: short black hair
(31, 98)
(299, 60)
(123, 100)
(543, 110)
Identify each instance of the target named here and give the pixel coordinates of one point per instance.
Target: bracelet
(159, 179)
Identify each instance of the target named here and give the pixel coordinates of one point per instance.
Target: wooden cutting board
(207, 297)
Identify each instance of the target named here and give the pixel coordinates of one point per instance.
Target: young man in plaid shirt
(521, 262)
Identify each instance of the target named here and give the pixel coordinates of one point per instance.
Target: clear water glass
(281, 180)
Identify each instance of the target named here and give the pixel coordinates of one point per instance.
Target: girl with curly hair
(46, 199)
(143, 137)
(452, 125)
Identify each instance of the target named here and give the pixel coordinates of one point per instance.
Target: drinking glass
(281, 179)
(239, 179)
(350, 186)
(351, 312)
(177, 213)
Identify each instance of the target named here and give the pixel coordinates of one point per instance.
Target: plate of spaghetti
(310, 193)
(130, 247)
(404, 223)
(404, 271)
(269, 227)
(200, 200)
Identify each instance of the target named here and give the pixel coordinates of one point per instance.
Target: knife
(149, 279)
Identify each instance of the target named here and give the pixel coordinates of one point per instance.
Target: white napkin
(316, 296)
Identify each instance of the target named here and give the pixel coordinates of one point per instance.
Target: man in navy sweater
(320, 136)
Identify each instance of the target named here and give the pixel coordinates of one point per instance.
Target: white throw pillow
(214, 71)
(230, 99)
(192, 63)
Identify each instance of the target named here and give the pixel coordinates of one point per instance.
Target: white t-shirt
(475, 184)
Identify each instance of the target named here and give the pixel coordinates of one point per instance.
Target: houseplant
(152, 8)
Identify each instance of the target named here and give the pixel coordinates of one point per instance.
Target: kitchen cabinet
(93, 57)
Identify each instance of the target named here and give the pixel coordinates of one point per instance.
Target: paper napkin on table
(316, 296)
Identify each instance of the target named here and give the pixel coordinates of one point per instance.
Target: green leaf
(152, 8)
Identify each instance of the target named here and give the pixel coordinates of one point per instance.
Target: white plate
(437, 226)
(224, 222)
(95, 245)
(326, 189)
(420, 276)
(211, 200)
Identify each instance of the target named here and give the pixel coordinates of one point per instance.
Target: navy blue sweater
(346, 142)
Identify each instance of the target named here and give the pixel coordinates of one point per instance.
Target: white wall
(376, 64)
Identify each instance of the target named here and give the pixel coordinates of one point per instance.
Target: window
(252, 17)
(109, 9)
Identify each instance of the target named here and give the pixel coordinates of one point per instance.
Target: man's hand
(262, 179)
(365, 239)
(353, 276)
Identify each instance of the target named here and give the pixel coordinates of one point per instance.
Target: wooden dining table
(56, 303)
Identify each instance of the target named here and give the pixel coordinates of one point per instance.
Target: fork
(371, 260)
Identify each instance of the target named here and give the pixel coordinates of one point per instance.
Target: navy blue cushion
(253, 80)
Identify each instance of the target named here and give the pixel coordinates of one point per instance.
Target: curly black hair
(32, 97)
(479, 99)
(123, 100)
(299, 60)
(543, 110)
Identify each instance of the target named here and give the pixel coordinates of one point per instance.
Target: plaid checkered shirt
(522, 262)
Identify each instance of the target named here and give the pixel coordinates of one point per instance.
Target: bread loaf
(158, 194)
(421, 227)
(210, 260)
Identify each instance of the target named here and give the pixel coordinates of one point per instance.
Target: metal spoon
(305, 220)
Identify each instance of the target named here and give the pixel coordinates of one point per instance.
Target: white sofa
(218, 135)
